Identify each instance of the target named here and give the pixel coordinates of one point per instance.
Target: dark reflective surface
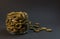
(46, 12)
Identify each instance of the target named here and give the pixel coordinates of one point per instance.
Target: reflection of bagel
(14, 18)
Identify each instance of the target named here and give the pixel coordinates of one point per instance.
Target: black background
(46, 12)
